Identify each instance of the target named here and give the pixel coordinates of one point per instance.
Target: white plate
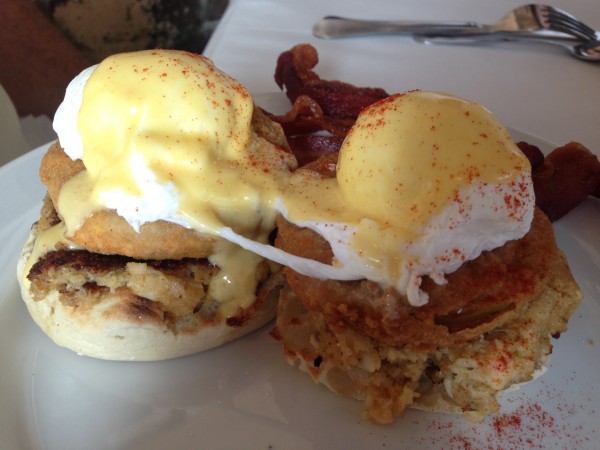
(243, 395)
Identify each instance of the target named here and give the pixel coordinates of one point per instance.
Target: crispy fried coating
(108, 233)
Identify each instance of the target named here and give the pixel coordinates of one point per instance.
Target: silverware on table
(584, 50)
(533, 23)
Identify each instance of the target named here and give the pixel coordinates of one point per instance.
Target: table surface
(538, 89)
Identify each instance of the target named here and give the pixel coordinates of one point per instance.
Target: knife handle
(334, 26)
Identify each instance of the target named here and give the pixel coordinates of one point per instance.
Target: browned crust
(84, 280)
(107, 232)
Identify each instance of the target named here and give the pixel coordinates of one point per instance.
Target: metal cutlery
(530, 18)
(533, 23)
(586, 51)
(559, 20)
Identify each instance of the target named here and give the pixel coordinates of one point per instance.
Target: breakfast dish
(401, 328)
(427, 274)
(460, 289)
(268, 402)
(158, 153)
(462, 283)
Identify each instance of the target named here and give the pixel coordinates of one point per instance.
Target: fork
(527, 18)
(555, 19)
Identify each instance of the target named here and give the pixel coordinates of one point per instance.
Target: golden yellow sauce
(77, 201)
(46, 241)
(407, 156)
(190, 125)
(235, 284)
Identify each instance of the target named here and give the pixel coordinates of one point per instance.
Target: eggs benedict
(454, 281)
(158, 152)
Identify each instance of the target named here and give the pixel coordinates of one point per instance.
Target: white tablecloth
(538, 89)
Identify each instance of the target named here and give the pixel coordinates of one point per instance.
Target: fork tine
(570, 21)
(562, 21)
(568, 29)
(559, 13)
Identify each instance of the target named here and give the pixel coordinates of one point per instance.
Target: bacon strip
(307, 116)
(337, 99)
(565, 178)
(309, 148)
